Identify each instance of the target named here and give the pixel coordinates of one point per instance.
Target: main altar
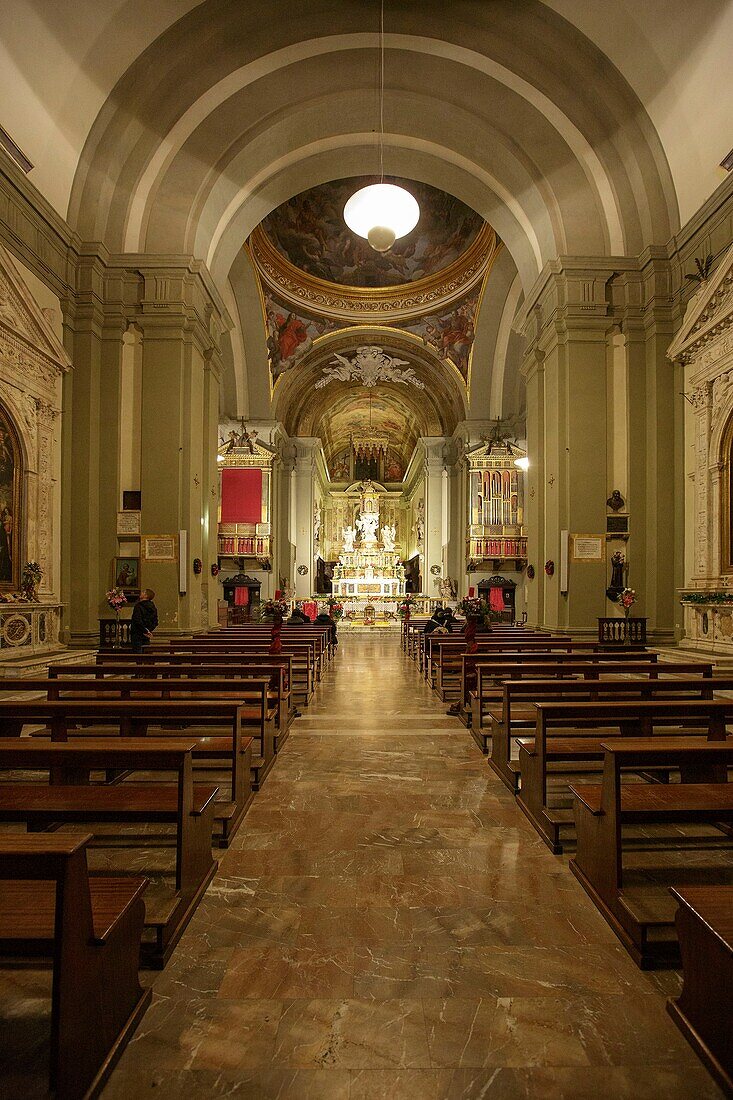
(372, 567)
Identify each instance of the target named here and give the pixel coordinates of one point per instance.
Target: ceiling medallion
(369, 366)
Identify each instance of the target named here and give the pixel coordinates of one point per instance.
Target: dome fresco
(309, 231)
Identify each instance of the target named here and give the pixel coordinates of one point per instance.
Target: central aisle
(387, 924)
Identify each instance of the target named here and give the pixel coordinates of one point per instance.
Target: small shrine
(369, 563)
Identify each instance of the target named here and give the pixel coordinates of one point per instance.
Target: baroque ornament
(369, 366)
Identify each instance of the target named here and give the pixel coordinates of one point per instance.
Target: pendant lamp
(381, 212)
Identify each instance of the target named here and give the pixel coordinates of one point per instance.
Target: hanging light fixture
(382, 212)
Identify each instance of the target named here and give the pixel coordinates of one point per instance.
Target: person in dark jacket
(435, 621)
(144, 620)
(324, 619)
(297, 617)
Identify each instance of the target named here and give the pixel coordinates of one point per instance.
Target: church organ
(495, 505)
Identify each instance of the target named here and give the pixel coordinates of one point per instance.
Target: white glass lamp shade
(382, 213)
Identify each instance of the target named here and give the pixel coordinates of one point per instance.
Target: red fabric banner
(496, 599)
(309, 609)
(241, 596)
(241, 496)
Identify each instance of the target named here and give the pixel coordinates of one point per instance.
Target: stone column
(210, 587)
(304, 488)
(434, 466)
(180, 382)
(91, 425)
(533, 370)
(565, 327)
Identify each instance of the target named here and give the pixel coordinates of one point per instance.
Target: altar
(373, 567)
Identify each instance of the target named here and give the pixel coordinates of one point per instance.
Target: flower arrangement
(116, 599)
(30, 580)
(271, 608)
(473, 607)
(335, 609)
(627, 599)
(404, 607)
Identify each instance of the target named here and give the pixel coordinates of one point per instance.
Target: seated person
(297, 618)
(324, 619)
(435, 621)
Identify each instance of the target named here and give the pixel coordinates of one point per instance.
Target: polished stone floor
(387, 924)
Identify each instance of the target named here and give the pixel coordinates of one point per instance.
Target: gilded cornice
(382, 305)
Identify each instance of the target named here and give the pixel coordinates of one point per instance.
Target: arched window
(11, 503)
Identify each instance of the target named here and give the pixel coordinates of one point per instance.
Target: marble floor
(387, 924)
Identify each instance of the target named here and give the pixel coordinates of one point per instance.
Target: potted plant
(335, 609)
(404, 607)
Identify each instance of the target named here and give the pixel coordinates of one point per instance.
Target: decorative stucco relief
(32, 362)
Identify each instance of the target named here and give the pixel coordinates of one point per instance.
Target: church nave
(388, 924)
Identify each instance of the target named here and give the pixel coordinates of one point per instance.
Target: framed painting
(11, 518)
(127, 574)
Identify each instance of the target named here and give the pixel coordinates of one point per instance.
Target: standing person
(144, 620)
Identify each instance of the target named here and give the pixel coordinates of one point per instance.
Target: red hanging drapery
(241, 496)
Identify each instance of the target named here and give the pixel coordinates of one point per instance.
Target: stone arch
(500, 66)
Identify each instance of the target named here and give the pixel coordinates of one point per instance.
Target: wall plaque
(128, 523)
(159, 547)
(587, 548)
(617, 525)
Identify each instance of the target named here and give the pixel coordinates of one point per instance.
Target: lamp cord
(381, 91)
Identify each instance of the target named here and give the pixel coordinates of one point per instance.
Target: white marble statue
(349, 534)
(367, 524)
(420, 522)
(389, 533)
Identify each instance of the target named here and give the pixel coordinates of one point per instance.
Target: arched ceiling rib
(524, 80)
(306, 409)
(61, 60)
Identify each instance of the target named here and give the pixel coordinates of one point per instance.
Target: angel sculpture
(349, 534)
(388, 536)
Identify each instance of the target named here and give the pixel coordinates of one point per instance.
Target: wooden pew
(494, 645)
(256, 717)
(164, 663)
(514, 712)
(569, 736)
(643, 917)
(428, 645)
(322, 635)
(704, 1010)
(71, 799)
(132, 717)
(446, 653)
(303, 654)
(90, 928)
(490, 670)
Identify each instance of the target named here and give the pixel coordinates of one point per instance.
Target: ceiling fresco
(291, 333)
(310, 233)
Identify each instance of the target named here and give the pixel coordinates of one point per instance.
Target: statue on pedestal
(349, 534)
(389, 534)
(367, 524)
(617, 585)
